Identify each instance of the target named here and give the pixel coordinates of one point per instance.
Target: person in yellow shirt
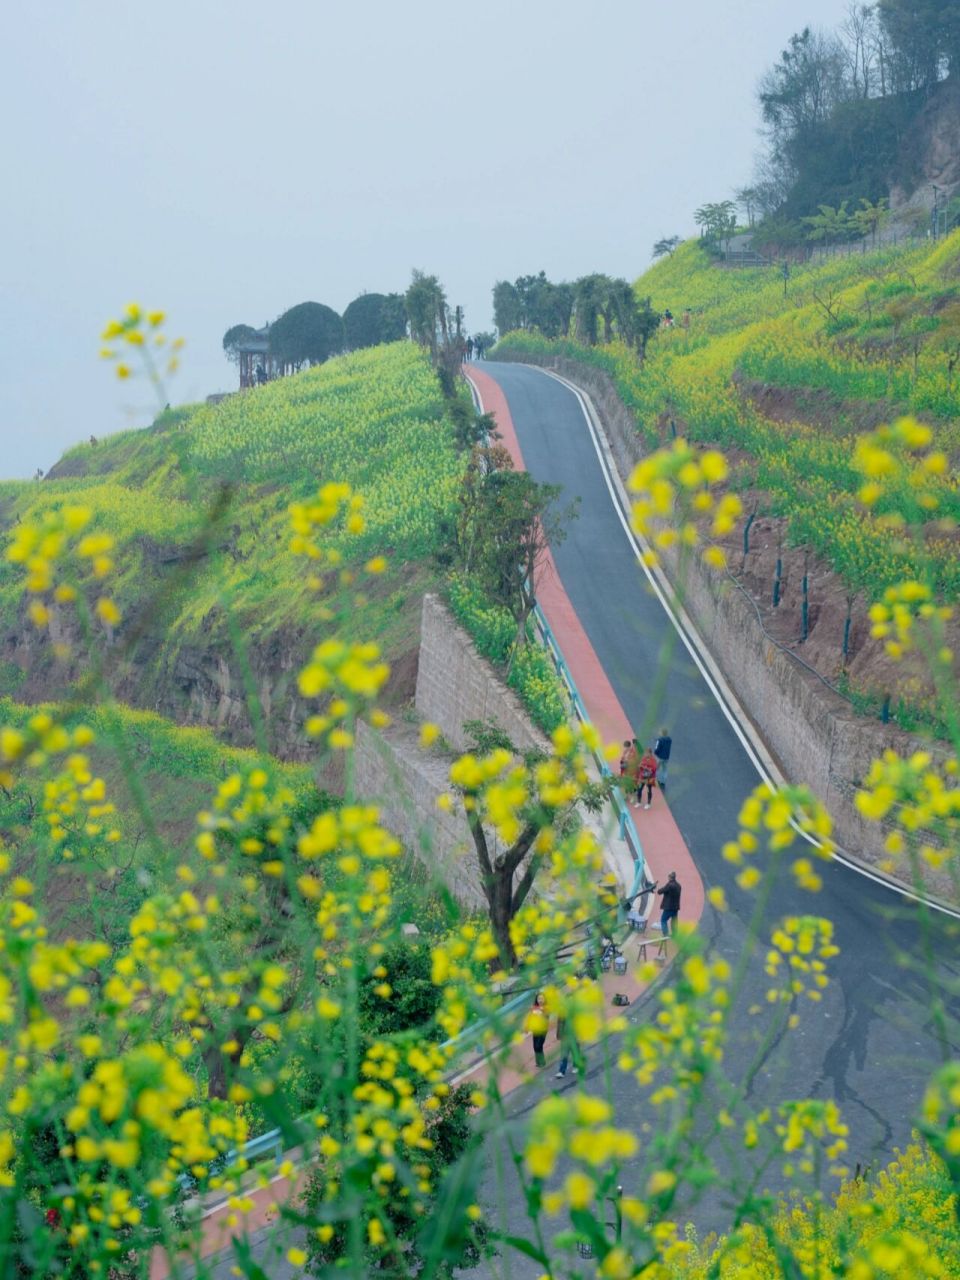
(538, 1024)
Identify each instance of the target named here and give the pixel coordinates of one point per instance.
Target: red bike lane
(664, 847)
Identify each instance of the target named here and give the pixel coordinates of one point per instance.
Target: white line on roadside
(730, 705)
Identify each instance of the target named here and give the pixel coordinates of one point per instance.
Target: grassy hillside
(784, 378)
(158, 776)
(198, 505)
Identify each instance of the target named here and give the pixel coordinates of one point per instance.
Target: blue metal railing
(627, 827)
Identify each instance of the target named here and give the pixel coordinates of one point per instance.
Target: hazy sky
(225, 161)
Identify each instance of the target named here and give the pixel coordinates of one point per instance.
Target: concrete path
(869, 1044)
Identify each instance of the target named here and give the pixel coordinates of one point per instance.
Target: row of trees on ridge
(310, 332)
(596, 308)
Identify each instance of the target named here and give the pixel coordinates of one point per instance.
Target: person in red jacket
(646, 776)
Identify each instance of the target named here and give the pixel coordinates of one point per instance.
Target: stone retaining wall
(454, 684)
(393, 771)
(811, 731)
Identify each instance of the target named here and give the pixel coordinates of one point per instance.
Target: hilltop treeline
(311, 332)
(590, 309)
(837, 106)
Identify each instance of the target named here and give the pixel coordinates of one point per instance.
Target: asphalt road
(869, 1044)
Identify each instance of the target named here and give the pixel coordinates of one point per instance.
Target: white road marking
(729, 704)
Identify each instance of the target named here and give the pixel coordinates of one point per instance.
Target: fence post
(804, 611)
(746, 532)
(776, 583)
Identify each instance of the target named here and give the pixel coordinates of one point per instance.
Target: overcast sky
(225, 161)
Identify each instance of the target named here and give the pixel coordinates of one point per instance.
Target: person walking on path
(538, 1024)
(661, 749)
(669, 904)
(568, 1049)
(629, 758)
(646, 776)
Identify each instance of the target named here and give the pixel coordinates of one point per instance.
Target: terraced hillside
(785, 374)
(198, 505)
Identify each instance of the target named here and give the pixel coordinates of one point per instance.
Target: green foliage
(876, 328)
(912, 1197)
(413, 1000)
(491, 626)
(843, 112)
(308, 333)
(830, 225)
(416, 1233)
(665, 246)
(493, 630)
(507, 313)
(234, 336)
(534, 678)
(716, 221)
(373, 319)
(426, 305)
(374, 418)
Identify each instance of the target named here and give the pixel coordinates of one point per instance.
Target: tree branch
(514, 856)
(526, 883)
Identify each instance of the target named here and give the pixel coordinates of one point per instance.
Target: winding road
(870, 1044)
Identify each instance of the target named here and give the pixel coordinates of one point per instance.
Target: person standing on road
(568, 1049)
(629, 758)
(646, 776)
(538, 1024)
(669, 904)
(661, 749)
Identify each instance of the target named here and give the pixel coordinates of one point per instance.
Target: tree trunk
(217, 1061)
(501, 913)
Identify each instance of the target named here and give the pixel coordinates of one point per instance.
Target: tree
(374, 318)
(232, 339)
(871, 216)
(517, 521)
(308, 333)
(591, 297)
(800, 91)
(716, 220)
(860, 47)
(507, 310)
(829, 225)
(924, 40)
(748, 199)
(646, 322)
(510, 854)
(635, 321)
(666, 246)
(486, 456)
(426, 305)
